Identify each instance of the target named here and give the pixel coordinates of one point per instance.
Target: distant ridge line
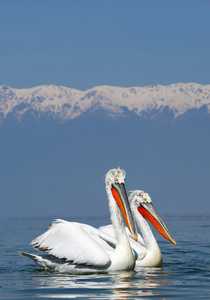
(64, 103)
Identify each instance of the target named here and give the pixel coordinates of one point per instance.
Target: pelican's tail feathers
(37, 259)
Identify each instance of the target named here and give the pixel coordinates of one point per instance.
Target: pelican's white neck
(153, 254)
(146, 231)
(116, 218)
(122, 257)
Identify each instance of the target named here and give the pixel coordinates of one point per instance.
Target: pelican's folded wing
(67, 240)
(106, 241)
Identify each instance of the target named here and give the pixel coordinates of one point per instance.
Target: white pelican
(147, 249)
(79, 248)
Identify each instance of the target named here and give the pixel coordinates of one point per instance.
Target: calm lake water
(185, 273)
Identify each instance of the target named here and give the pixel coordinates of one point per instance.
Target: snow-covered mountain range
(67, 103)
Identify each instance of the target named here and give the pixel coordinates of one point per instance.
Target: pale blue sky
(81, 44)
(84, 43)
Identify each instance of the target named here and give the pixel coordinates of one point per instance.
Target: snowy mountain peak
(68, 103)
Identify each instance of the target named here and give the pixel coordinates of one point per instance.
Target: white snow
(67, 103)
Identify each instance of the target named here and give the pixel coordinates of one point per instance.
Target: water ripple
(185, 273)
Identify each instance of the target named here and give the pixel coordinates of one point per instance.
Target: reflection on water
(115, 285)
(185, 272)
(137, 284)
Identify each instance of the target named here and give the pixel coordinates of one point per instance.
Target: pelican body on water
(79, 248)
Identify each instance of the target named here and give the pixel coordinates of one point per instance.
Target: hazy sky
(81, 44)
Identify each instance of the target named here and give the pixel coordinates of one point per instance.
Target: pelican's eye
(116, 180)
(145, 200)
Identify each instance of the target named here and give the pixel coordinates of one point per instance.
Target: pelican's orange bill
(125, 209)
(157, 223)
(119, 203)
